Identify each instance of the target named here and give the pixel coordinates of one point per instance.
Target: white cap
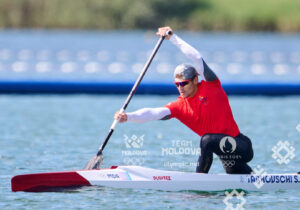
(185, 70)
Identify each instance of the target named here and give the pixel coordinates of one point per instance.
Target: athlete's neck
(193, 93)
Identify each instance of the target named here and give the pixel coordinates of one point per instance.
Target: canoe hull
(137, 177)
(47, 181)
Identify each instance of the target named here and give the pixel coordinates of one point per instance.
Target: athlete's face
(186, 88)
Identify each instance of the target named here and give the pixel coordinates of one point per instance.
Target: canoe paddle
(96, 161)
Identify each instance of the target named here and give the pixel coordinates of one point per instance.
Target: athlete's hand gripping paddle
(96, 161)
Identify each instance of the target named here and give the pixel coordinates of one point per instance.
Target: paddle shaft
(133, 90)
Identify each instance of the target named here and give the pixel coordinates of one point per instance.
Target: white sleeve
(190, 52)
(148, 114)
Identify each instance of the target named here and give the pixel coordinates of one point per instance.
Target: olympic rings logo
(134, 161)
(228, 163)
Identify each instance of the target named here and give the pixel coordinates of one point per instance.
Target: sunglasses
(183, 83)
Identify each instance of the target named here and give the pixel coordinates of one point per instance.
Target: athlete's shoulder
(209, 83)
(176, 103)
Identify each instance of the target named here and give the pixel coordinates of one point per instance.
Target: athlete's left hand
(163, 31)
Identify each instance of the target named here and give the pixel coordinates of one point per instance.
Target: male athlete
(205, 109)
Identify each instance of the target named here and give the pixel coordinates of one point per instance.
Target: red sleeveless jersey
(208, 111)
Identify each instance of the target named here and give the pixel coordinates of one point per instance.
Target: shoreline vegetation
(195, 15)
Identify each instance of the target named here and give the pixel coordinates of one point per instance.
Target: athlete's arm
(202, 68)
(144, 115)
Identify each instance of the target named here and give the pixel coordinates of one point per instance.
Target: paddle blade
(94, 163)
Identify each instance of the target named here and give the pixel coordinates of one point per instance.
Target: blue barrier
(77, 87)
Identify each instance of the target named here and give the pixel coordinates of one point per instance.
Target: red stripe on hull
(47, 181)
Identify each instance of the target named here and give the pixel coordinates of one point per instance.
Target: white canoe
(137, 177)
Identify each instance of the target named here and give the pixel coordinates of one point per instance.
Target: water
(55, 133)
(120, 55)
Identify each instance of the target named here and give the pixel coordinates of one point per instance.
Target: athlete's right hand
(121, 117)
